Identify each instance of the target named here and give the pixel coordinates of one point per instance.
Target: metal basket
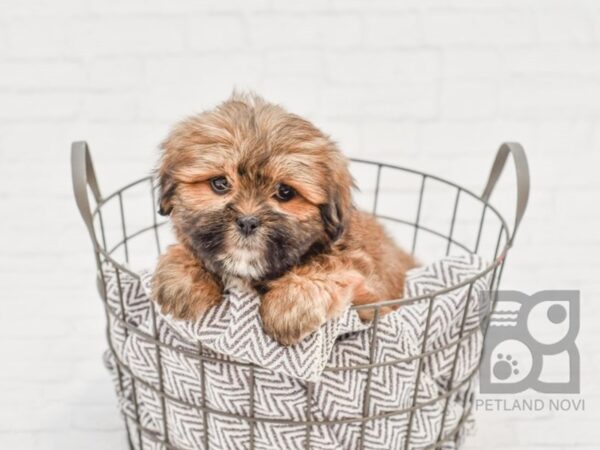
(444, 231)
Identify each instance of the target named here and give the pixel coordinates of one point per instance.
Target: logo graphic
(531, 343)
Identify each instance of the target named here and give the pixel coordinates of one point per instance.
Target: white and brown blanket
(232, 332)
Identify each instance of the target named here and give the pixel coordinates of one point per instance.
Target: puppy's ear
(336, 212)
(164, 175)
(172, 156)
(166, 191)
(333, 220)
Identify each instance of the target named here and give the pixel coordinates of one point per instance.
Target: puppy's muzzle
(247, 225)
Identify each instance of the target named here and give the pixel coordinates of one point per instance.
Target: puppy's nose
(247, 224)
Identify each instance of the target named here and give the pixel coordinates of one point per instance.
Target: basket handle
(522, 171)
(84, 175)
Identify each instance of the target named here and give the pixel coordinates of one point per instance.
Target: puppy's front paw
(186, 301)
(182, 287)
(288, 315)
(363, 296)
(296, 306)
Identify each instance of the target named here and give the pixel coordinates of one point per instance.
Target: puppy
(261, 196)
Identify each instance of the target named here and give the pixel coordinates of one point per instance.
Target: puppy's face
(252, 189)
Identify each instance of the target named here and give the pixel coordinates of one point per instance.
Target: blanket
(202, 400)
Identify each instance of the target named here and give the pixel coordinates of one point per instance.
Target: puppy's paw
(290, 322)
(367, 315)
(295, 306)
(182, 287)
(186, 300)
(364, 296)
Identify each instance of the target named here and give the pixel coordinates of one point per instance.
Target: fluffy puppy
(261, 196)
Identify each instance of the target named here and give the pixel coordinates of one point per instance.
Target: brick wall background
(431, 84)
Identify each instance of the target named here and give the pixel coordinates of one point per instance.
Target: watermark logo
(527, 334)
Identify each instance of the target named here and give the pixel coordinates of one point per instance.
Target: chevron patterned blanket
(232, 332)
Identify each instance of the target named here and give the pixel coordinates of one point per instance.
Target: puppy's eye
(284, 192)
(219, 185)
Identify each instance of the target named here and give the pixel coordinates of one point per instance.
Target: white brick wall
(426, 83)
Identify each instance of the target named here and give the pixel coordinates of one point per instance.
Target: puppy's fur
(309, 255)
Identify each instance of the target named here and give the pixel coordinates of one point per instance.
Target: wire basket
(435, 216)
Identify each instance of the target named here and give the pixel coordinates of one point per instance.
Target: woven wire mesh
(476, 229)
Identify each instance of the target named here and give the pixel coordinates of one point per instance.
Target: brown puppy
(261, 196)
